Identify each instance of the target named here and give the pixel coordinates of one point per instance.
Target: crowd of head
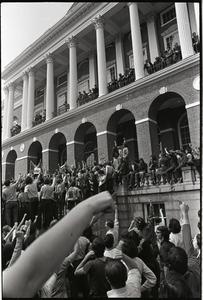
(149, 260)
(69, 185)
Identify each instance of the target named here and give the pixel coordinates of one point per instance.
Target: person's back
(47, 191)
(187, 266)
(97, 280)
(123, 284)
(9, 193)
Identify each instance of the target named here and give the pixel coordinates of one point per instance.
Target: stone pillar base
(188, 174)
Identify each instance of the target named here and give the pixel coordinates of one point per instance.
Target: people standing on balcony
(10, 203)
(196, 156)
(195, 42)
(173, 163)
(148, 67)
(152, 169)
(96, 91)
(158, 65)
(169, 56)
(163, 165)
(190, 160)
(134, 176)
(143, 172)
(121, 80)
(109, 171)
(182, 162)
(177, 53)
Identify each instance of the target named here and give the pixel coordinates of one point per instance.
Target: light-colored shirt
(177, 239)
(111, 253)
(132, 288)
(146, 272)
(9, 193)
(31, 190)
(47, 191)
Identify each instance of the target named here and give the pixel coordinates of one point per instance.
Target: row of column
(29, 76)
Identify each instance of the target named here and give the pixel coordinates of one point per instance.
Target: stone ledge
(178, 187)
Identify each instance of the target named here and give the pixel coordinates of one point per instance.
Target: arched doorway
(121, 125)
(167, 110)
(86, 144)
(10, 165)
(57, 151)
(34, 155)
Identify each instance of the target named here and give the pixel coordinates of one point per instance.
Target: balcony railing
(61, 110)
(16, 129)
(128, 77)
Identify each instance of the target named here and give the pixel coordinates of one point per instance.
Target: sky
(24, 22)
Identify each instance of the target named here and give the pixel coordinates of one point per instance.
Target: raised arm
(6, 238)
(116, 214)
(22, 221)
(186, 230)
(18, 247)
(162, 223)
(47, 252)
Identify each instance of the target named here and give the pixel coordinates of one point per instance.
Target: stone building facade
(88, 48)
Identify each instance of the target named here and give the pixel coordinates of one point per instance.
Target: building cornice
(181, 66)
(47, 37)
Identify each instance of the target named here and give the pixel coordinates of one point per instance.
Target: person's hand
(118, 254)
(16, 225)
(23, 228)
(184, 208)
(132, 222)
(102, 202)
(20, 235)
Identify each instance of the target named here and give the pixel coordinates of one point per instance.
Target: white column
(25, 102)
(92, 69)
(136, 40)
(119, 55)
(10, 109)
(68, 85)
(152, 36)
(101, 55)
(31, 98)
(196, 8)
(73, 77)
(184, 31)
(5, 115)
(50, 86)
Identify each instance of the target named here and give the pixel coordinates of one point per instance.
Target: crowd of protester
(150, 260)
(52, 195)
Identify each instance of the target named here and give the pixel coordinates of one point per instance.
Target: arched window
(184, 133)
